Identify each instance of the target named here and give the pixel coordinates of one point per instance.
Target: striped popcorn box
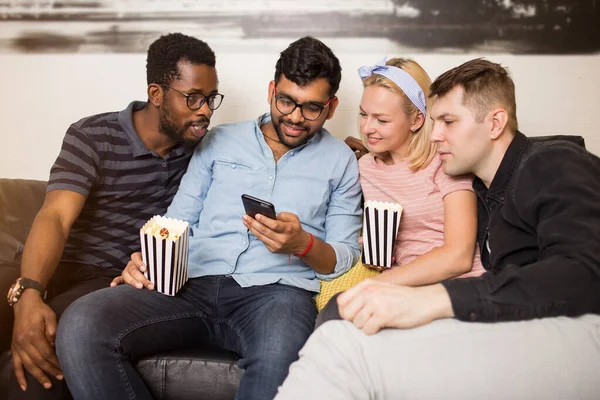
(380, 228)
(165, 244)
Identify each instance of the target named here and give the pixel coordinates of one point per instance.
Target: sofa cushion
(206, 373)
(20, 200)
(329, 288)
(179, 375)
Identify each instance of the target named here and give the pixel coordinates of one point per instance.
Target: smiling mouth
(291, 130)
(198, 130)
(372, 139)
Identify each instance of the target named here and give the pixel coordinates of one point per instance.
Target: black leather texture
(5, 372)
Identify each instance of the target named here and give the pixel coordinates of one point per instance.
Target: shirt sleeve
(77, 165)
(562, 204)
(449, 184)
(343, 220)
(188, 202)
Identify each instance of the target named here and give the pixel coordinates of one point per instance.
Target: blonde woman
(437, 235)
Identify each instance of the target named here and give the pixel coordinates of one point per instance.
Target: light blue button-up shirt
(318, 182)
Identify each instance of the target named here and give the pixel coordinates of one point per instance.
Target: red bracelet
(312, 240)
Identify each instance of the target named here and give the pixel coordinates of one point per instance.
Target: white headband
(401, 78)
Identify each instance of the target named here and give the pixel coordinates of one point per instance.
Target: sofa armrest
(203, 373)
(20, 201)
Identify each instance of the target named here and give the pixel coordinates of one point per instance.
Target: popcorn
(164, 227)
(381, 221)
(165, 243)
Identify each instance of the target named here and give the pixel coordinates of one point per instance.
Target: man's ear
(271, 90)
(155, 94)
(332, 106)
(499, 120)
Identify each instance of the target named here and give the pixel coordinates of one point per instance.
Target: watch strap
(27, 283)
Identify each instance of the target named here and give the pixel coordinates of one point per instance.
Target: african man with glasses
(252, 280)
(114, 172)
(191, 116)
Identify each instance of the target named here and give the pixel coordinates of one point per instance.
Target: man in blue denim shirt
(528, 327)
(252, 280)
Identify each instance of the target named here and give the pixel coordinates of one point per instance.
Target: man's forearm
(43, 248)
(321, 257)
(547, 288)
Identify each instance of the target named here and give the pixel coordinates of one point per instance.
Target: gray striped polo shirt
(103, 158)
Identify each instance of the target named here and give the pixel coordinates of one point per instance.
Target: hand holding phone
(254, 206)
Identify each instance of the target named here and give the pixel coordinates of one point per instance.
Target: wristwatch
(16, 290)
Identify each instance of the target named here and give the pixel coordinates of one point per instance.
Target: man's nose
(437, 134)
(204, 110)
(296, 115)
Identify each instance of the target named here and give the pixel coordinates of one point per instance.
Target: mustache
(293, 125)
(204, 122)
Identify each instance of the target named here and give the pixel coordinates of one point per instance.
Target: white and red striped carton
(381, 221)
(165, 243)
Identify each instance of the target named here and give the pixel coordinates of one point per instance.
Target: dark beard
(283, 139)
(174, 131)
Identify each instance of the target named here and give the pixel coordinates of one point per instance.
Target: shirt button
(473, 316)
(270, 177)
(244, 242)
(164, 164)
(233, 166)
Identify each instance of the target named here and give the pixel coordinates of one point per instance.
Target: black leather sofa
(202, 373)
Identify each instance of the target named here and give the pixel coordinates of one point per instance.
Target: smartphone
(255, 206)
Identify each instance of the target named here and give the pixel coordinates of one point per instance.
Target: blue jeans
(101, 335)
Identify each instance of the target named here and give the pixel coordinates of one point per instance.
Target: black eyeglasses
(196, 100)
(309, 111)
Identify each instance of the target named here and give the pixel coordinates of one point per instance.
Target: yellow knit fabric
(344, 282)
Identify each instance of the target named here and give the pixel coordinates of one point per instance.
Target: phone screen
(254, 206)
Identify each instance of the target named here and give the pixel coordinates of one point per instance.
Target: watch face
(14, 293)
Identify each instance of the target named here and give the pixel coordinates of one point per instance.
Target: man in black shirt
(539, 235)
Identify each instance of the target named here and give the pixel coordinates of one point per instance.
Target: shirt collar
(505, 170)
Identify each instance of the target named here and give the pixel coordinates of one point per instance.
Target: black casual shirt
(539, 234)
(104, 159)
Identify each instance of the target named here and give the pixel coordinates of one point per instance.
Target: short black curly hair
(165, 52)
(307, 59)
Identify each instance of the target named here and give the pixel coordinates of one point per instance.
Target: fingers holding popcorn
(133, 275)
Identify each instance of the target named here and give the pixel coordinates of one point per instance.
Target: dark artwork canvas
(447, 26)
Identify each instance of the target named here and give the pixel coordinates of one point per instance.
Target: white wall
(40, 95)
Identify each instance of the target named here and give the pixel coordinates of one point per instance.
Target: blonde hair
(420, 149)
